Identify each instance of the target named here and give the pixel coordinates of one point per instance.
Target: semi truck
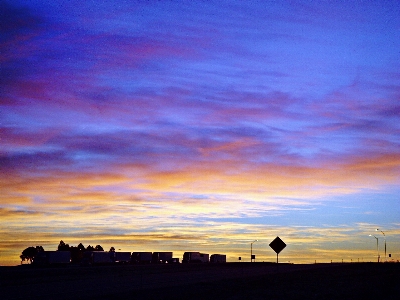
(44, 258)
(195, 257)
(218, 258)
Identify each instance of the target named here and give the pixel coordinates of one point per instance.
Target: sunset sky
(201, 126)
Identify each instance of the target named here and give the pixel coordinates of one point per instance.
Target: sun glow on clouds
(199, 126)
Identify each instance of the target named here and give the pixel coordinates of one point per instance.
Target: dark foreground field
(208, 281)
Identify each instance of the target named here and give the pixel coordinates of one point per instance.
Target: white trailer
(162, 257)
(195, 257)
(102, 257)
(218, 258)
(141, 257)
(98, 258)
(122, 257)
(52, 258)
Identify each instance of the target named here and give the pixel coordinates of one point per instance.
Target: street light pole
(385, 240)
(377, 245)
(251, 250)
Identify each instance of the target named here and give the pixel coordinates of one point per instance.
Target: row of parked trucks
(104, 258)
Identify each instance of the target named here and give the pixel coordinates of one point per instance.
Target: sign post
(277, 245)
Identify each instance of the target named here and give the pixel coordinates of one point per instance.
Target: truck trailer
(122, 257)
(162, 257)
(218, 258)
(195, 257)
(44, 258)
(141, 257)
(98, 258)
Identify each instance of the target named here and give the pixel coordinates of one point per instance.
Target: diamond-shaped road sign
(277, 245)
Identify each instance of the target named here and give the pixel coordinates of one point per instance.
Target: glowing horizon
(201, 126)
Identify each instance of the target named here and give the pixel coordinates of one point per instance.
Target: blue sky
(201, 126)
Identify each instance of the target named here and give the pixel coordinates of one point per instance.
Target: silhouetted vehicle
(97, 258)
(45, 258)
(162, 257)
(218, 258)
(141, 257)
(174, 260)
(122, 257)
(195, 257)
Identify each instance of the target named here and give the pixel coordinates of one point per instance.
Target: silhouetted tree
(112, 249)
(63, 246)
(30, 253)
(98, 248)
(90, 248)
(81, 247)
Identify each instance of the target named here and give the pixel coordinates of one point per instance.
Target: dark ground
(204, 281)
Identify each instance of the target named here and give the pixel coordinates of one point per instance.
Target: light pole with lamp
(384, 238)
(377, 245)
(251, 250)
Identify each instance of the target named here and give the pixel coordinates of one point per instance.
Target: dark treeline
(29, 253)
(76, 252)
